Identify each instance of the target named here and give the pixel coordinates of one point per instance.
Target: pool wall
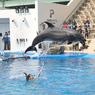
(66, 55)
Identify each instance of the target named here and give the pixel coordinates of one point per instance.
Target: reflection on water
(75, 76)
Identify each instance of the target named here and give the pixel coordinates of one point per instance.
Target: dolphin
(57, 34)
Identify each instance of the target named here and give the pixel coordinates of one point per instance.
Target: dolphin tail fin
(49, 24)
(31, 48)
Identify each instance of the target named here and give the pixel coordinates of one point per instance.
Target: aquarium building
(25, 19)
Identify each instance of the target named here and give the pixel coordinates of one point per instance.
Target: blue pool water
(60, 76)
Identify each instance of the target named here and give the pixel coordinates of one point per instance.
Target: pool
(60, 76)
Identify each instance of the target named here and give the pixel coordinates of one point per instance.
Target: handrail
(74, 10)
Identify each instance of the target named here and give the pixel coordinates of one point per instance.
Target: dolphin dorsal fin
(49, 24)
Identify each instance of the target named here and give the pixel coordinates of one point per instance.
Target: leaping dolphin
(56, 34)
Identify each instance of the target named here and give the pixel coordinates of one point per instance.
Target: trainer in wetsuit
(30, 76)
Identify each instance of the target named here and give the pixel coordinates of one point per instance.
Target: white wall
(23, 30)
(44, 13)
(61, 12)
(19, 29)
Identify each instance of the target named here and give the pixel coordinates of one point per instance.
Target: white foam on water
(1, 59)
(16, 76)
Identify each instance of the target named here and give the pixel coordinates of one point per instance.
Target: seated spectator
(74, 24)
(80, 30)
(69, 26)
(64, 24)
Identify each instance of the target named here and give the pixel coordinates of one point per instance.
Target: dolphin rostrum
(56, 34)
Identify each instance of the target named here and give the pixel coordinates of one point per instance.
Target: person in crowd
(64, 24)
(86, 31)
(74, 46)
(8, 40)
(69, 25)
(74, 24)
(38, 32)
(80, 30)
(5, 39)
(30, 76)
(87, 23)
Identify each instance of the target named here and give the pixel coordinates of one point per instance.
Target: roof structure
(12, 3)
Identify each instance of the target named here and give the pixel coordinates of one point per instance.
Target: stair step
(86, 10)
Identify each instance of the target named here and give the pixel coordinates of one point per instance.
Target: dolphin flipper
(31, 48)
(49, 24)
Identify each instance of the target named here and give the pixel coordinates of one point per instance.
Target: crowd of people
(85, 31)
(6, 40)
(73, 25)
